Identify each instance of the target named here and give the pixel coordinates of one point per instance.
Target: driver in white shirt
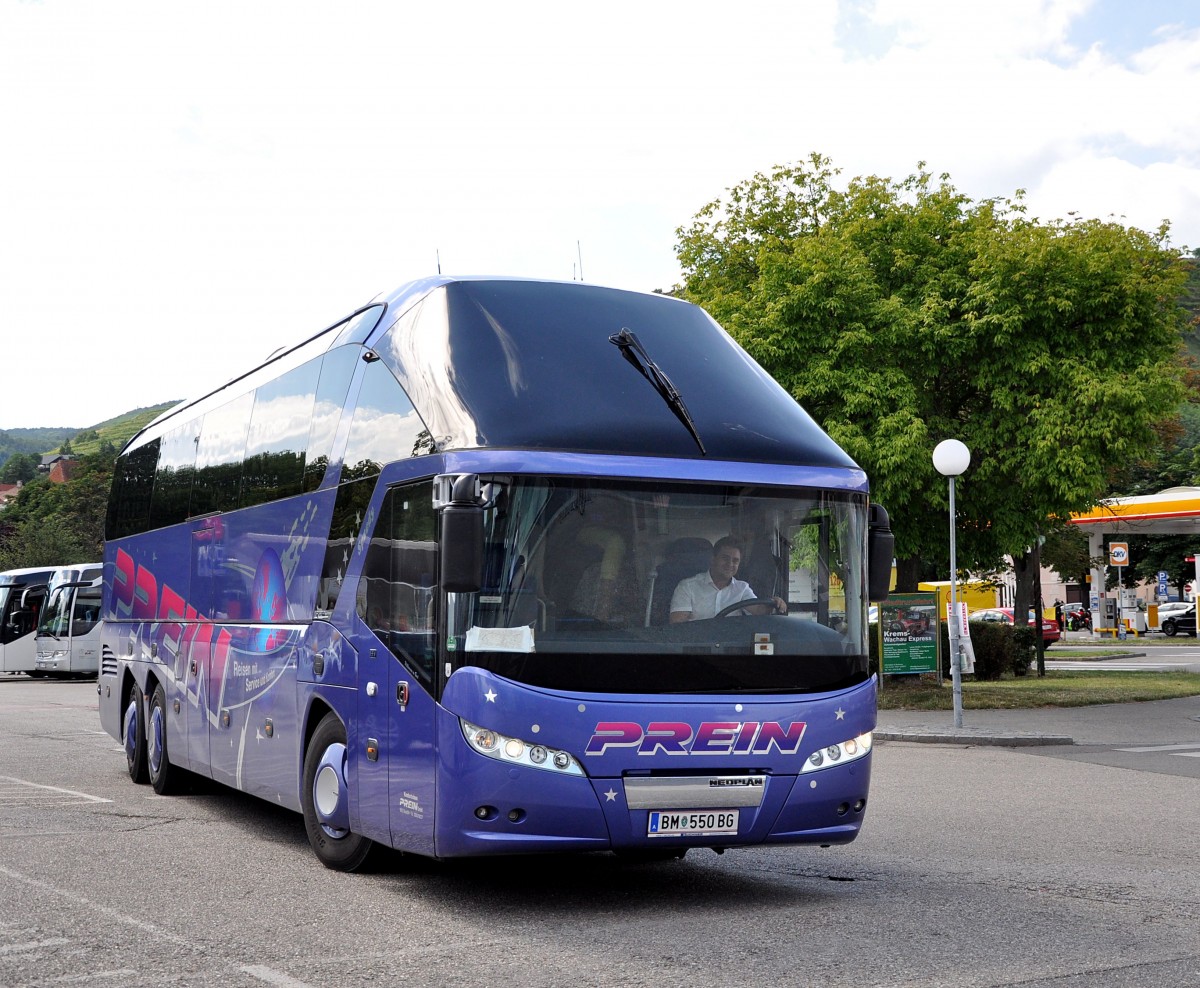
(706, 594)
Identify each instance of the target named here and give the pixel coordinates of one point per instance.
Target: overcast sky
(188, 186)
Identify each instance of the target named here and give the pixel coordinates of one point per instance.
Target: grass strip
(1058, 688)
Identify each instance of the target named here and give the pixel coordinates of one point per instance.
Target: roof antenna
(438, 254)
(580, 253)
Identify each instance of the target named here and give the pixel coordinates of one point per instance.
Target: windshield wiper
(636, 354)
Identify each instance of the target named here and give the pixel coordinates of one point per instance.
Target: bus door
(85, 629)
(396, 753)
(397, 712)
(18, 627)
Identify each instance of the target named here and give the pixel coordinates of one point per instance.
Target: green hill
(115, 430)
(86, 440)
(35, 441)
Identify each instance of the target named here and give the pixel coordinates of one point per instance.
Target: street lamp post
(951, 459)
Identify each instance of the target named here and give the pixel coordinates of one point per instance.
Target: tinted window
(385, 427)
(132, 488)
(87, 610)
(337, 371)
(219, 455)
(397, 590)
(532, 365)
(279, 428)
(173, 479)
(349, 510)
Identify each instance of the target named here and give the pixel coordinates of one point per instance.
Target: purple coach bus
(499, 566)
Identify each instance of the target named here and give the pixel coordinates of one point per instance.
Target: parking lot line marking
(158, 931)
(16, 948)
(65, 792)
(1194, 746)
(91, 977)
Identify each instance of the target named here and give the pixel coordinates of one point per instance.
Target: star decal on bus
(490, 696)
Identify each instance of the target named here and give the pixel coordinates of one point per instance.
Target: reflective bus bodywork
(413, 578)
(68, 631)
(22, 595)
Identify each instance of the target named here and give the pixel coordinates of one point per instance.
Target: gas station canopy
(1175, 511)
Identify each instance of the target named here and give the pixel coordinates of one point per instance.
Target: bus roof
(521, 364)
(19, 577)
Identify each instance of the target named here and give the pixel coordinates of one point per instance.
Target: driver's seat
(683, 558)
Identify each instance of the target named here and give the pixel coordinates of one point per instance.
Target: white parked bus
(22, 595)
(68, 632)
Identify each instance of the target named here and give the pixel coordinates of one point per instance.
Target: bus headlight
(514, 751)
(838, 754)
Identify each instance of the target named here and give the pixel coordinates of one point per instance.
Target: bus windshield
(624, 587)
(55, 619)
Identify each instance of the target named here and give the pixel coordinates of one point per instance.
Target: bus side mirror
(461, 539)
(881, 550)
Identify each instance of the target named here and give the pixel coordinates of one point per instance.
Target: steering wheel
(741, 605)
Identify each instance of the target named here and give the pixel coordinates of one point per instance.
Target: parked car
(1050, 632)
(1179, 622)
(1165, 610)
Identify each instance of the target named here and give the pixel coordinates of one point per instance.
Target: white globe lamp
(951, 459)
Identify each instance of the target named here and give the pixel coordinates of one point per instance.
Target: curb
(966, 736)
(1106, 657)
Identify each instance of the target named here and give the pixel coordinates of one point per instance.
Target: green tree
(900, 313)
(20, 467)
(57, 524)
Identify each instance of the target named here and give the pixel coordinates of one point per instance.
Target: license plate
(690, 823)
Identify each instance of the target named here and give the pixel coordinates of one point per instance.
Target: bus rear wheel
(133, 730)
(325, 800)
(164, 776)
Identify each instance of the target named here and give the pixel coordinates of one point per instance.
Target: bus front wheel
(325, 800)
(133, 729)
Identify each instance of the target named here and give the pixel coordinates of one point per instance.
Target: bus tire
(164, 776)
(133, 732)
(324, 799)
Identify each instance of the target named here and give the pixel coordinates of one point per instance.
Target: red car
(1050, 632)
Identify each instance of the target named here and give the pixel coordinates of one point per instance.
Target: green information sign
(908, 625)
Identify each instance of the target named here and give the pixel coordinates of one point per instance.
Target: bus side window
(337, 371)
(132, 486)
(220, 452)
(174, 475)
(278, 440)
(349, 509)
(86, 611)
(399, 581)
(385, 427)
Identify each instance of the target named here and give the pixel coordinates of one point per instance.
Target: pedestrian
(1058, 616)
